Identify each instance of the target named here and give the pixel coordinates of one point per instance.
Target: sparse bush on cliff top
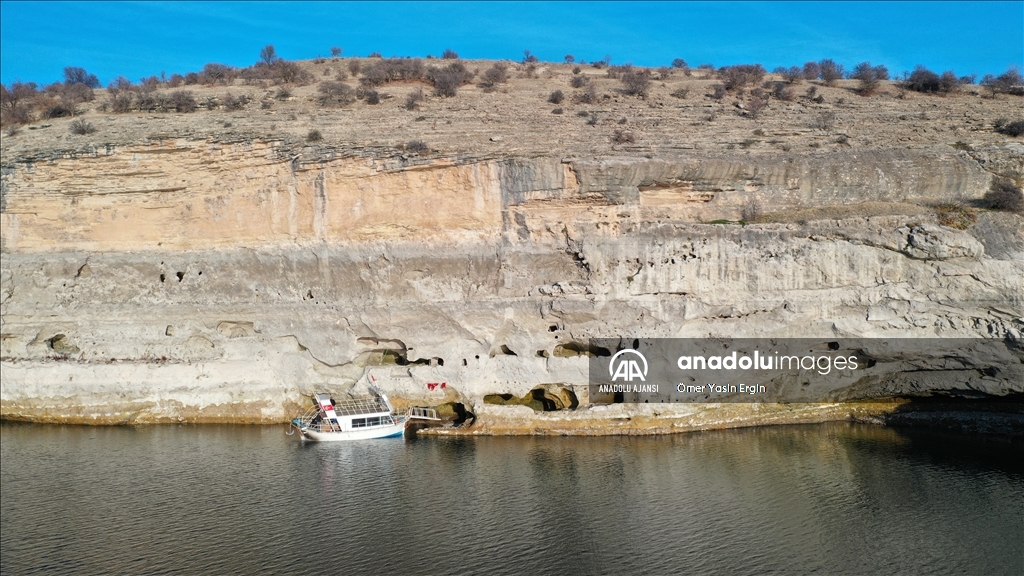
(233, 103)
(336, 51)
(417, 147)
(924, 80)
(1015, 128)
(182, 101)
(447, 80)
(1005, 195)
(82, 127)
(76, 75)
(333, 94)
(1009, 82)
(623, 137)
(829, 71)
(792, 75)
(268, 55)
(811, 71)
(121, 103)
(636, 82)
(740, 75)
(16, 102)
(392, 70)
(214, 73)
(449, 54)
(869, 76)
(496, 74)
(587, 96)
(412, 101)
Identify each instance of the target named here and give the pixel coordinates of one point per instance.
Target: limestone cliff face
(200, 281)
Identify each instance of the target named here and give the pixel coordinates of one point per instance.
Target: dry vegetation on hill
(483, 108)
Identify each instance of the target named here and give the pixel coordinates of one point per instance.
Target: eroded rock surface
(200, 281)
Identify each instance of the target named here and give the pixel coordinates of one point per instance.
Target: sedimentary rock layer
(200, 281)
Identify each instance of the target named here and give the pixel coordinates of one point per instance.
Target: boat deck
(359, 406)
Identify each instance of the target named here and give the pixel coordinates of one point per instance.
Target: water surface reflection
(834, 498)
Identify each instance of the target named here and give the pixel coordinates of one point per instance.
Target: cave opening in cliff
(180, 275)
(548, 398)
(573, 348)
(456, 412)
(502, 350)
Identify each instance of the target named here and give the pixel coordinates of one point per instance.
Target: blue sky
(136, 39)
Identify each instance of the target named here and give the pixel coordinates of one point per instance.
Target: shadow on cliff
(993, 415)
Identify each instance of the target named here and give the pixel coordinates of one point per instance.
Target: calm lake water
(825, 499)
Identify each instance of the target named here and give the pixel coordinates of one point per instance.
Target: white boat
(356, 419)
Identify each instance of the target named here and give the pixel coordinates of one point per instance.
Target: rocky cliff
(204, 281)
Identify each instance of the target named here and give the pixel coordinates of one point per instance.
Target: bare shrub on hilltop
(449, 54)
(268, 55)
(1014, 128)
(680, 93)
(757, 103)
(1009, 82)
(16, 103)
(869, 76)
(926, 81)
(811, 71)
(496, 74)
(1005, 195)
(586, 96)
(556, 97)
(214, 73)
(334, 94)
(388, 70)
(792, 75)
(782, 91)
(448, 79)
(623, 137)
(82, 127)
(233, 103)
(741, 75)
(636, 82)
(76, 75)
(417, 147)
(182, 101)
(829, 71)
(412, 101)
(579, 81)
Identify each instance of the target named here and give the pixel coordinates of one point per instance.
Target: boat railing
(420, 413)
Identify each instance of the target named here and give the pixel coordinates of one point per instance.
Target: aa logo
(625, 365)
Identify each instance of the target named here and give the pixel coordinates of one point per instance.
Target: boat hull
(389, 431)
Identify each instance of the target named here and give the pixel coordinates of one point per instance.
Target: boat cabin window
(374, 421)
